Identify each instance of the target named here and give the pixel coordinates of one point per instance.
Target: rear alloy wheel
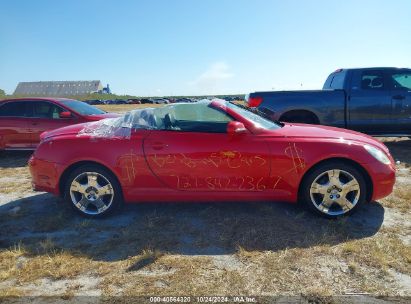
(93, 191)
(334, 190)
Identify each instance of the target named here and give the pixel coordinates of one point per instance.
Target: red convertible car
(22, 120)
(210, 151)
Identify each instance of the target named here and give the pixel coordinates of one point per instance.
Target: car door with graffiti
(197, 154)
(201, 161)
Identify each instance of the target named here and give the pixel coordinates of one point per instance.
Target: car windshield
(81, 107)
(256, 118)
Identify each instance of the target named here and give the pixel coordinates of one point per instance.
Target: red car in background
(210, 151)
(22, 120)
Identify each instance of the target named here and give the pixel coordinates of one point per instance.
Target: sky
(193, 47)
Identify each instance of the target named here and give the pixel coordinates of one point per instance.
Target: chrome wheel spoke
(99, 204)
(345, 204)
(318, 188)
(77, 187)
(325, 204)
(83, 204)
(105, 190)
(352, 185)
(334, 177)
(92, 180)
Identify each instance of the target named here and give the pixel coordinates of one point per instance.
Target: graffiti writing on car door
(228, 159)
(233, 161)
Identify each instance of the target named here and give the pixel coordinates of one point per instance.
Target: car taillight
(254, 101)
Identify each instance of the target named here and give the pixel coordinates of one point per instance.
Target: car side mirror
(236, 127)
(66, 114)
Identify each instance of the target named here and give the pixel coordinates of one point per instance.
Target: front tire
(93, 192)
(334, 189)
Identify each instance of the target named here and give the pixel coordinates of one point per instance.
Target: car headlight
(378, 154)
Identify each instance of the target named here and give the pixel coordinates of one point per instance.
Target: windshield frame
(263, 123)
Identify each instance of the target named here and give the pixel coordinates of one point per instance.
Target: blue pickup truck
(376, 101)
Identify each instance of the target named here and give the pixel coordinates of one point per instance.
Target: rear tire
(333, 189)
(93, 191)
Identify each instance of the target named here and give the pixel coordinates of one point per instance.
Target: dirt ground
(263, 249)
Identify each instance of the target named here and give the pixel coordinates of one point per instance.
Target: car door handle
(159, 146)
(34, 123)
(398, 97)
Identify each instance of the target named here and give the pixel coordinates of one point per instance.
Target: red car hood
(100, 116)
(295, 130)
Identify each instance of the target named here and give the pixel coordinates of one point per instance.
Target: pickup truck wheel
(334, 190)
(93, 191)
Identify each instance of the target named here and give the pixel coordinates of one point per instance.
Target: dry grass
(400, 199)
(9, 259)
(353, 266)
(14, 173)
(317, 272)
(403, 193)
(11, 186)
(10, 292)
(382, 252)
(322, 270)
(125, 107)
(146, 258)
(55, 265)
(21, 264)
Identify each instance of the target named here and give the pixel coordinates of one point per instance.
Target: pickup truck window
(401, 81)
(335, 81)
(372, 80)
(338, 81)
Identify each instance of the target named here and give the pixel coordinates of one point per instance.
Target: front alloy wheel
(92, 191)
(334, 190)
